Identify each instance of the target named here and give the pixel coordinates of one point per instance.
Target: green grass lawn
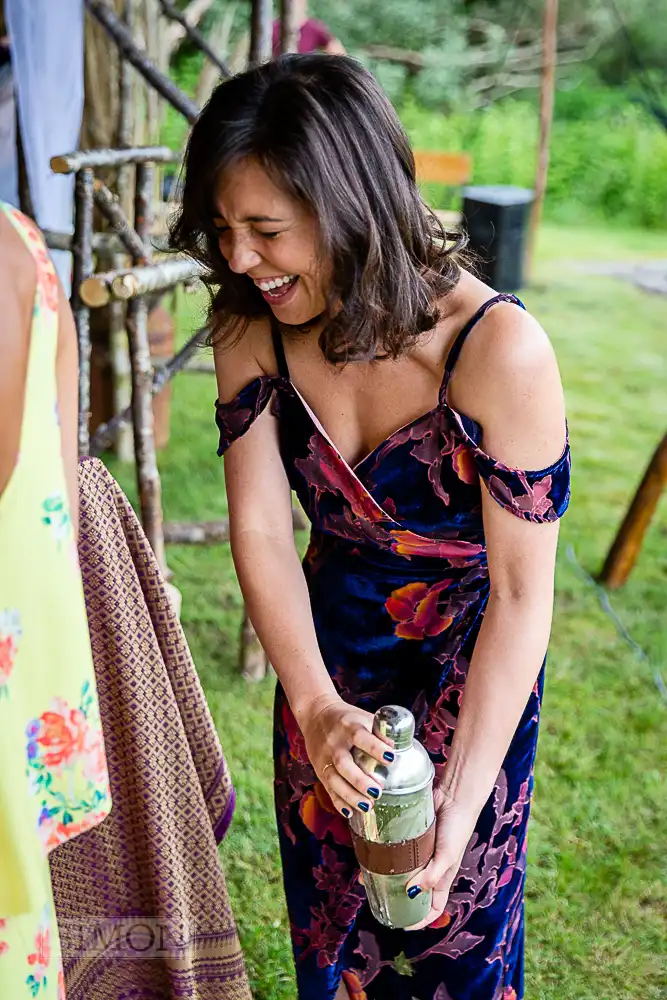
(597, 896)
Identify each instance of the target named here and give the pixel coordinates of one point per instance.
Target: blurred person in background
(314, 36)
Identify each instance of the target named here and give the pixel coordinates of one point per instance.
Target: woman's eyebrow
(219, 221)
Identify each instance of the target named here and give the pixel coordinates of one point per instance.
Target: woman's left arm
(512, 387)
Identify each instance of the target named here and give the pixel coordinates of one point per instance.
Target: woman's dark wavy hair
(326, 134)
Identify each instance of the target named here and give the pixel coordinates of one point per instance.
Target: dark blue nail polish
(375, 792)
(346, 812)
(414, 891)
(364, 806)
(388, 755)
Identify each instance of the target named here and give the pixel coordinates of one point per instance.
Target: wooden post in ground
(148, 477)
(289, 27)
(261, 32)
(82, 268)
(628, 542)
(549, 60)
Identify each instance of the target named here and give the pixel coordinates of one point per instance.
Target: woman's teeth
(273, 283)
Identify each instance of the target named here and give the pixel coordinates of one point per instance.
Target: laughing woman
(360, 364)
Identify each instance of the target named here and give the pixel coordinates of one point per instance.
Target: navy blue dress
(398, 581)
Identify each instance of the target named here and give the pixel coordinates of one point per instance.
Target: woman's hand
(454, 828)
(331, 728)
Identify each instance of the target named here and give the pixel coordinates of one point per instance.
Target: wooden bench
(450, 169)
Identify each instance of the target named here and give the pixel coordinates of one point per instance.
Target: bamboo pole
(289, 27)
(148, 477)
(627, 545)
(70, 163)
(261, 32)
(120, 34)
(82, 266)
(195, 36)
(549, 59)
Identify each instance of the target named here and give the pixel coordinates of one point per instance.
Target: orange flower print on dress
(10, 633)
(354, 987)
(463, 463)
(320, 816)
(67, 767)
(444, 920)
(40, 959)
(416, 609)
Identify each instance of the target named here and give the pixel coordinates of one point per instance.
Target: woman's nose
(241, 255)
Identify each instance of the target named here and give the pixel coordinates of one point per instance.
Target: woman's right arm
(276, 595)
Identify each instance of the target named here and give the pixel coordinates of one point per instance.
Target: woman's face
(266, 235)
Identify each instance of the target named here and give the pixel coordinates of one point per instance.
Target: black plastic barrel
(496, 220)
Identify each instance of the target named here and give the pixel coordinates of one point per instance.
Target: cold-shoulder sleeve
(537, 496)
(237, 416)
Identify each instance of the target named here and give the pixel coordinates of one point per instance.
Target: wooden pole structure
(549, 60)
(112, 211)
(69, 163)
(105, 433)
(129, 283)
(195, 36)
(148, 477)
(289, 27)
(261, 32)
(129, 50)
(628, 542)
(82, 268)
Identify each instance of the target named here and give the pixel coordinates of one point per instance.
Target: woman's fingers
(382, 751)
(439, 876)
(344, 795)
(364, 785)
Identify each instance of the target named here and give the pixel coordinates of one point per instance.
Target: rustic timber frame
(145, 277)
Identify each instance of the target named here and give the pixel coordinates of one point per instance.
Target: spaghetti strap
(279, 348)
(455, 349)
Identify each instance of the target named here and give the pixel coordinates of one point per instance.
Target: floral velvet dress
(398, 580)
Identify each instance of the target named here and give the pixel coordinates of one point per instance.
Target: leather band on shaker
(394, 859)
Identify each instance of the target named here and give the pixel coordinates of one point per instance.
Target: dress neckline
(452, 356)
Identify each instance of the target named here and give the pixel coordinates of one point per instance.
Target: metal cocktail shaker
(396, 839)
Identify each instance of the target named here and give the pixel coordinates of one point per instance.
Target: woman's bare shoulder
(507, 379)
(242, 355)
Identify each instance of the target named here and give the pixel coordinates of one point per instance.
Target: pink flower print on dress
(40, 959)
(536, 502)
(4, 946)
(10, 634)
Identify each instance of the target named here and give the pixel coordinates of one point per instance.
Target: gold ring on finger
(324, 769)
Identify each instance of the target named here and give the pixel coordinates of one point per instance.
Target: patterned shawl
(142, 904)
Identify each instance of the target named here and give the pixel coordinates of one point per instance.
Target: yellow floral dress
(53, 780)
